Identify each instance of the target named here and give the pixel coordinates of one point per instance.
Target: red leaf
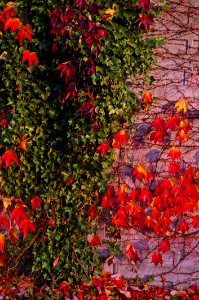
(121, 218)
(27, 225)
(92, 212)
(195, 221)
(36, 202)
(189, 174)
(18, 214)
(90, 67)
(68, 70)
(183, 227)
(145, 21)
(25, 32)
(120, 138)
(31, 57)
(158, 136)
(8, 158)
(103, 148)
(4, 123)
(145, 195)
(81, 4)
(132, 253)
(69, 181)
(172, 122)
(144, 4)
(174, 168)
(156, 258)
(174, 153)
(97, 282)
(4, 221)
(102, 32)
(13, 23)
(158, 124)
(95, 241)
(164, 246)
(70, 92)
(107, 202)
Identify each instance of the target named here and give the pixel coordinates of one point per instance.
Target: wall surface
(176, 75)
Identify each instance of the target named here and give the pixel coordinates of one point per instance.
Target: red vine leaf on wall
(147, 97)
(145, 21)
(36, 202)
(18, 214)
(8, 158)
(133, 255)
(31, 57)
(144, 4)
(26, 226)
(120, 138)
(174, 153)
(156, 258)
(4, 221)
(95, 241)
(24, 32)
(13, 23)
(103, 148)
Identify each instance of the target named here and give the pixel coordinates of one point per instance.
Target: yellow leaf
(6, 202)
(111, 11)
(182, 105)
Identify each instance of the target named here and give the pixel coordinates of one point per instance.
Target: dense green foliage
(65, 123)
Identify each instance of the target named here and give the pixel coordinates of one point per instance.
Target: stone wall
(176, 75)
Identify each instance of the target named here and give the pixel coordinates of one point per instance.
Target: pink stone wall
(177, 75)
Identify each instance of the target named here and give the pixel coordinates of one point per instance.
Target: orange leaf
(182, 105)
(147, 97)
(3, 260)
(13, 23)
(6, 202)
(23, 143)
(56, 261)
(174, 153)
(2, 241)
(13, 234)
(141, 172)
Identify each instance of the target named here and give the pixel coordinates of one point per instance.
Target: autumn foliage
(65, 114)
